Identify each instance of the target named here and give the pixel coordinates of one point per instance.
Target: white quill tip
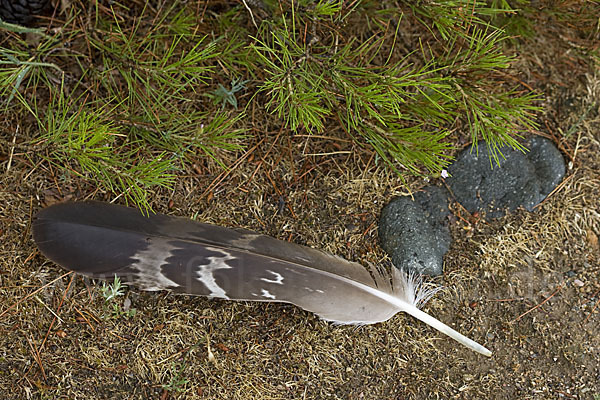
(413, 295)
(440, 326)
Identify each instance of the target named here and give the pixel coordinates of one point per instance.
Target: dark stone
(548, 162)
(414, 233)
(520, 179)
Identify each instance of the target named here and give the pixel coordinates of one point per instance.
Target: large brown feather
(160, 252)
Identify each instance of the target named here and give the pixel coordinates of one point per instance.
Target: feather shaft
(445, 329)
(160, 252)
(426, 318)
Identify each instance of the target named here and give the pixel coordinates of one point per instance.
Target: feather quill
(160, 252)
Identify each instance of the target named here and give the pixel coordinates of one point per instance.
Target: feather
(160, 252)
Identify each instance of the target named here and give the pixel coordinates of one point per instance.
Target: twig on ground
(251, 14)
(34, 293)
(62, 300)
(555, 190)
(226, 173)
(85, 319)
(594, 308)
(36, 356)
(538, 305)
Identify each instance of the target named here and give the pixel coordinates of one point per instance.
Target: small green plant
(118, 312)
(404, 110)
(15, 67)
(131, 115)
(110, 292)
(155, 72)
(132, 100)
(102, 151)
(178, 381)
(227, 96)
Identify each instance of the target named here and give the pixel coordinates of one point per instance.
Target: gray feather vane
(161, 252)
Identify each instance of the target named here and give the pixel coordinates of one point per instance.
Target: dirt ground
(526, 286)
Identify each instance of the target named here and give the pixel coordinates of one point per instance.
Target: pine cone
(21, 11)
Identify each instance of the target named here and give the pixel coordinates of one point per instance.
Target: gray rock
(521, 179)
(548, 162)
(414, 233)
